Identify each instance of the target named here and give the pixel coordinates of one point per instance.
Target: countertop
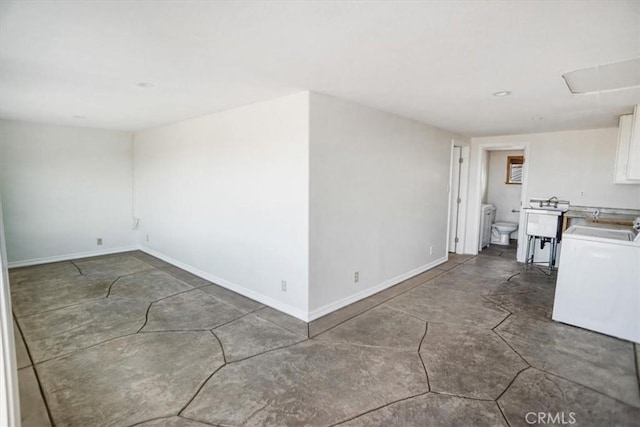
(615, 216)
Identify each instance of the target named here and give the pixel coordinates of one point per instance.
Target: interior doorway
(519, 172)
(501, 200)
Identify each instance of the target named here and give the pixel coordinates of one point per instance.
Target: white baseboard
(336, 305)
(67, 257)
(278, 305)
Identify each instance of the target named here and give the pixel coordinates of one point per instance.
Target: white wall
(227, 197)
(379, 200)
(505, 197)
(567, 164)
(572, 165)
(62, 188)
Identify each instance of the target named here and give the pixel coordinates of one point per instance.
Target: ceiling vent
(604, 78)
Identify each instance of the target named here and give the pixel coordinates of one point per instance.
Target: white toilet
(500, 232)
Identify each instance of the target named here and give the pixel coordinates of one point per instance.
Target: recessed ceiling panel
(601, 78)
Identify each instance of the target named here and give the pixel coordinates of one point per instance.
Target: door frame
(9, 397)
(478, 150)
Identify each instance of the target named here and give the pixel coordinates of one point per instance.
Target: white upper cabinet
(627, 167)
(633, 165)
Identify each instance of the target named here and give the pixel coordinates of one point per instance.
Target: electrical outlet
(430, 250)
(147, 238)
(283, 286)
(356, 277)
(99, 241)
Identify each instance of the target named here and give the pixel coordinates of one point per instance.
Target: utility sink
(551, 205)
(545, 222)
(547, 210)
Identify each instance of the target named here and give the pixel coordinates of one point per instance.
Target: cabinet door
(633, 165)
(486, 232)
(623, 153)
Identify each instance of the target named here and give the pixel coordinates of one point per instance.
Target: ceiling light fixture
(502, 93)
(537, 118)
(145, 85)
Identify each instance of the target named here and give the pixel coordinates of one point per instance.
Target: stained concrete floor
(128, 340)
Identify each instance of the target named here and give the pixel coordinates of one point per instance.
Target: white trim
(464, 195)
(451, 194)
(9, 395)
(278, 305)
(336, 305)
(67, 257)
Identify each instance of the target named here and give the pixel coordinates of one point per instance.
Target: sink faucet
(553, 201)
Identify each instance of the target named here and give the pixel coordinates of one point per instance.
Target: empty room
(319, 213)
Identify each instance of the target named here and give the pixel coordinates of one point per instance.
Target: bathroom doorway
(501, 199)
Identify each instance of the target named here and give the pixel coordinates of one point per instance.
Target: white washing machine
(598, 286)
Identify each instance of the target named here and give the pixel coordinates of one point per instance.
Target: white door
(455, 199)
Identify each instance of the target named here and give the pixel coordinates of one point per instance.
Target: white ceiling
(437, 62)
